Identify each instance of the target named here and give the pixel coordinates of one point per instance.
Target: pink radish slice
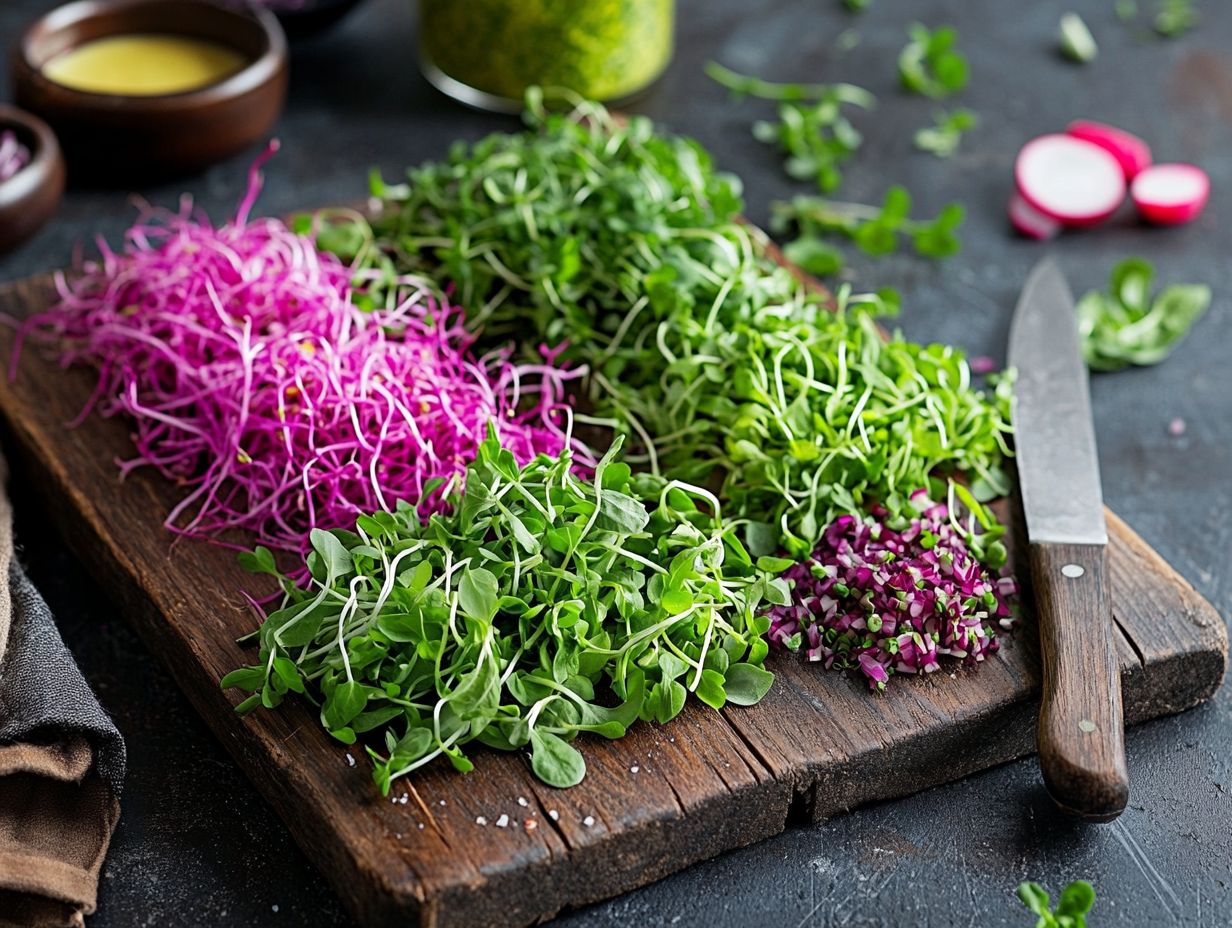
(1170, 194)
(1131, 152)
(1029, 221)
(1071, 180)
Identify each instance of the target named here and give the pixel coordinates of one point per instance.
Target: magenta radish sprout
(1131, 153)
(1072, 181)
(253, 381)
(890, 600)
(1029, 221)
(1171, 194)
(13, 154)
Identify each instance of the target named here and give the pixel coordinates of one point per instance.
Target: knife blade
(1081, 733)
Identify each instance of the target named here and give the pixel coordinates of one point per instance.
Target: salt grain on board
(479, 820)
(522, 802)
(553, 815)
(502, 822)
(350, 761)
(588, 821)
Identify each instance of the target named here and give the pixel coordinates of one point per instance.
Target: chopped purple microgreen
(894, 599)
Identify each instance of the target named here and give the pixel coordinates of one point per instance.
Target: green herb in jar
(601, 49)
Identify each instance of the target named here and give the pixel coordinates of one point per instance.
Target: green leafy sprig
(931, 64)
(543, 606)
(942, 139)
(811, 130)
(875, 230)
(1127, 325)
(1072, 907)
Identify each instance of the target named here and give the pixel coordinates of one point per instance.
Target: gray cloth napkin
(61, 763)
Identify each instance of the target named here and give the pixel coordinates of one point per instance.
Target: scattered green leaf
(1077, 43)
(931, 64)
(1126, 325)
(1071, 912)
(942, 139)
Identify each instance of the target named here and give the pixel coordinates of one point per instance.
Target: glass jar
(487, 52)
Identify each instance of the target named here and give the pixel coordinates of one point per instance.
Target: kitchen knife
(1081, 734)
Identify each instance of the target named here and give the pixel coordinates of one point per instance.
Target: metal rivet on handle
(1073, 571)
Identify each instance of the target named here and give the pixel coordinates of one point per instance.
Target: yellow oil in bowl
(144, 65)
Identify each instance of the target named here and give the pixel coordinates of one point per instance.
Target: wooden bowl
(115, 137)
(30, 197)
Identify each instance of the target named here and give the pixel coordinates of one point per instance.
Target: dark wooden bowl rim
(255, 33)
(45, 164)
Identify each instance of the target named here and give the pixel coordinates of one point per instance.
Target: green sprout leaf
(942, 138)
(1127, 326)
(930, 64)
(1077, 43)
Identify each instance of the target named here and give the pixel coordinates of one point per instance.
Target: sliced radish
(1029, 221)
(1071, 180)
(1131, 152)
(1169, 194)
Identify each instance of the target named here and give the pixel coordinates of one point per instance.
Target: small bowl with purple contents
(31, 175)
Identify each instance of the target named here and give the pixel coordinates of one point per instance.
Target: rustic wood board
(656, 801)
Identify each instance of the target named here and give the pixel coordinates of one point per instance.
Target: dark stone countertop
(197, 846)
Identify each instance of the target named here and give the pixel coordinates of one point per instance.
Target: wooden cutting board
(652, 803)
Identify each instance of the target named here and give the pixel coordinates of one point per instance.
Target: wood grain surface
(652, 803)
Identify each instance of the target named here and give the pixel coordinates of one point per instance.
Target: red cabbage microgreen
(254, 381)
(13, 154)
(888, 598)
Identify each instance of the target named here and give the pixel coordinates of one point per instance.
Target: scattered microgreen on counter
(1076, 42)
(508, 621)
(1073, 905)
(815, 136)
(1128, 325)
(626, 245)
(931, 64)
(874, 230)
(942, 138)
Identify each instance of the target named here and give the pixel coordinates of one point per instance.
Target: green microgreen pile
(1128, 325)
(543, 605)
(626, 245)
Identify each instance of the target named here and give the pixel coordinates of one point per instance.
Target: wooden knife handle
(1081, 736)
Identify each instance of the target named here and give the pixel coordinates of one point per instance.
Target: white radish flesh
(1028, 221)
(1131, 152)
(1071, 180)
(1170, 194)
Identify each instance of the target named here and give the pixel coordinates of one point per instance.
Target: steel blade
(1058, 469)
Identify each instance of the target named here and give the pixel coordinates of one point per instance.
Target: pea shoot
(543, 606)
